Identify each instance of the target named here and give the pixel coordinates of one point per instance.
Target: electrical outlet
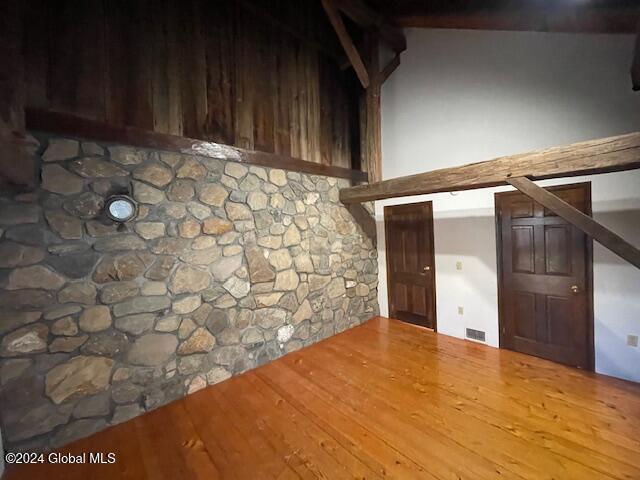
(632, 340)
(458, 265)
(460, 310)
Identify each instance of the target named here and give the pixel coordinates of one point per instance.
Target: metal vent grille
(478, 335)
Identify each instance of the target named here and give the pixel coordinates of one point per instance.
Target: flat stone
(169, 246)
(35, 276)
(278, 177)
(119, 243)
(269, 317)
(303, 263)
(168, 324)
(316, 282)
(235, 170)
(213, 194)
(75, 266)
(192, 169)
(123, 413)
(362, 290)
(302, 291)
(251, 183)
(181, 191)
(135, 324)
(95, 406)
(68, 248)
(267, 299)
(277, 201)
(79, 377)
(237, 287)
(119, 268)
(291, 236)
(238, 211)
(170, 158)
(65, 225)
(161, 268)
(200, 341)
(101, 228)
(141, 305)
(232, 250)
(90, 148)
(152, 349)
(153, 288)
(225, 267)
(58, 312)
(26, 340)
(67, 344)
(201, 257)
(217, 375)
(15, 255)
(32, 420)
(150, 230)
(58, 180)
(270, 241)
(125, 155)
(229, 336)
(257, 201)
(280, 259)
(125, 392)
(289, 302)
(81, 292)
(110, 343)
(87, 205)
(95, 319)
(77, 430)
(187, 327)
(188, 279)
(216, 226)
(60, 149)
(19, 214)
(144, 193)
(252, 336)
(189, 228)
(198, 210)
(286, 280)
(65, 326)
(187, 304)
(303, 313)
(172, 211)
(225, 301)
(336, 288)
(154, 173)
(13, 368)
(96, 168)
(259, 268)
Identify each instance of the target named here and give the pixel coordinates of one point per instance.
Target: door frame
(586, 186)
(431, 253)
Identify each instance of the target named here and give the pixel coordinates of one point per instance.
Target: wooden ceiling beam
(346, 42)
(366, 17)
(594, 156)
(635, 66)
(575, 217)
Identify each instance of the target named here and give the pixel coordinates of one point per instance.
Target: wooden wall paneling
(193, 68)
(284, 85)
(327, 111)
(220, 57)
(77, 58)
(35, 48)
(312, 80)
(263, 84)
(130, 67)
(243, 87)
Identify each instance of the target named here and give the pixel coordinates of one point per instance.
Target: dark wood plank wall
(205, 69)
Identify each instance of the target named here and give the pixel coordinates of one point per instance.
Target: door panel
(545, 278)
(410, 263)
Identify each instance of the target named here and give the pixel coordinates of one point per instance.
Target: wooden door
(410, 263)
(545, 278)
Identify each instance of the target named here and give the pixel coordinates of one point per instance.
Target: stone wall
(225, 267)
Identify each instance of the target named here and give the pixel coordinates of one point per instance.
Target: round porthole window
(120, 208)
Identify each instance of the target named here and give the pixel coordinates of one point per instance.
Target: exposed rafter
(346, 42)
(366, 17)
(588, 225)
(594, 156)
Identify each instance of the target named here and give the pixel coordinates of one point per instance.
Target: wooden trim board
(73, 126)
(594, 156)
(575, 217)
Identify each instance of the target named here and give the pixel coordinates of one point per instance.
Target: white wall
(466, 96)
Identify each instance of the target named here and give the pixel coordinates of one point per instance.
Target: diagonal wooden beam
(346, 42)
(389, 69)
(575, 217)
(368, 18)
(604, 155)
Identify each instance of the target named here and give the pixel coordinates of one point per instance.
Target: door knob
(426, 268)
(574, 288)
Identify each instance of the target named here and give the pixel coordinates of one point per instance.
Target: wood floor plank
(382, 400)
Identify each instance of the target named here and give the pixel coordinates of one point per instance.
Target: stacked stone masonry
(100, 322)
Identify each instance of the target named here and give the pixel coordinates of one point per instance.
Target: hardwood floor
(385, 399)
